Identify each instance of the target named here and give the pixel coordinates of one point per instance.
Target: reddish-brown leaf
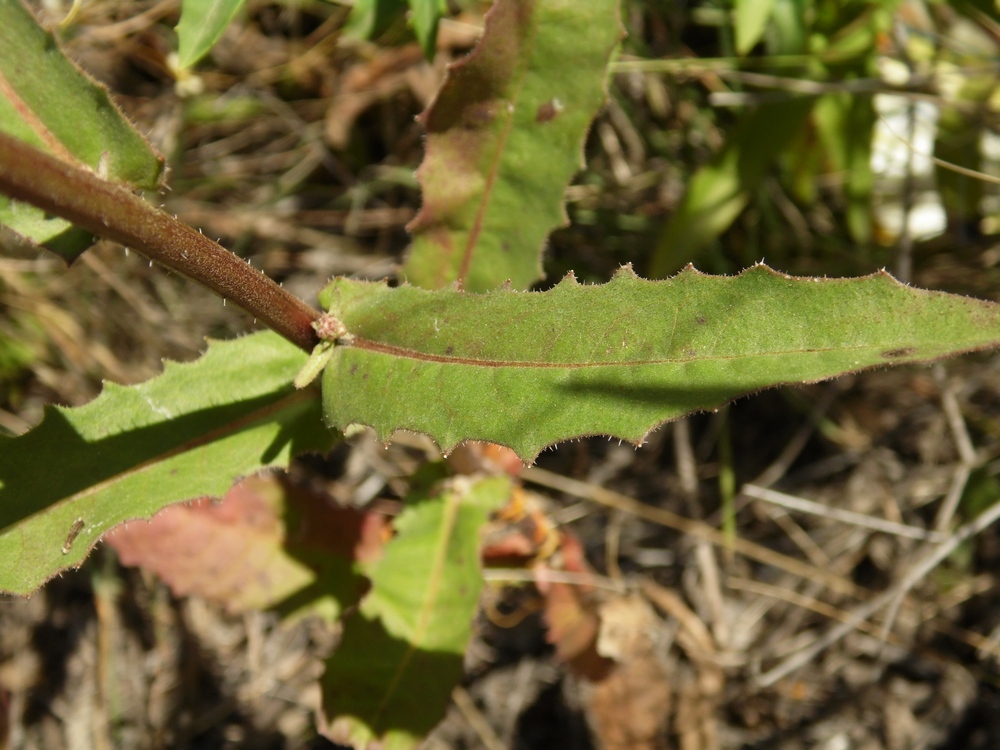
(266, 544)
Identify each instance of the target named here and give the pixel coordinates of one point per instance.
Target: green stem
(114, 212)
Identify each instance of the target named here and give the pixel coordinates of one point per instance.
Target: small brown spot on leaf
(700, 320)
(548, 111)
(74, 532)
(449, 350)
(354, 369)
(905, 351)
(478, 115)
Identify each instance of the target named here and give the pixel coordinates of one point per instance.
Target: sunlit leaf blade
(719, 191)
(267, 544)
(187, 433)
(389, 681)
(504, 138)
(527, 370)
(201, 25)
(49, 102)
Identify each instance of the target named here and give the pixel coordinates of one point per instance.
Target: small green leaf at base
(313, 367)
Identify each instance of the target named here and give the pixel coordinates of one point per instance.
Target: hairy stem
(112, 211)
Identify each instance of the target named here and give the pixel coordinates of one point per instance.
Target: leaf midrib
(407, 353)
(476, 229)
(452, 502)
(229, 428)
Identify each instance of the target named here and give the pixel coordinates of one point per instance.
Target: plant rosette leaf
(46, 100)
(504, 137)
(390, 680)
(620, 358)
(185, 434)
(267, 545)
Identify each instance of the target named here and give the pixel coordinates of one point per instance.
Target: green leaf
(504, 137)
(49, 102)
(425, 15)
(749, 21)
(719, 191)
(187, 433)
(40, 228)
(389, 682)
(201, 25)
(788, 30)
(370, 19)
(527, 370)
(844, 124)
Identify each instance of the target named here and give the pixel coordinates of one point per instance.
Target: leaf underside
(504, 137)
(47, 101)
(390, 680)
(185, 434)
(621, 358)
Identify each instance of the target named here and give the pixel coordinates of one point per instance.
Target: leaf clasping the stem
(329, 329)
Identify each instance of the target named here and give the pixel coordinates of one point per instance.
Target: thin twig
(964, 171)
(845, 516)
(548, 575)
(779, 467)
(697, 529)
(949, 402)
(917, 572)
(467, 707)
(968, 459)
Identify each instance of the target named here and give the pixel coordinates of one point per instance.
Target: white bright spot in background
(902, 146)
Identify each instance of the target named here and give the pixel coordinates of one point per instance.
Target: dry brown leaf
(629, 708)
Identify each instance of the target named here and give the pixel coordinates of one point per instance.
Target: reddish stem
(114, 212)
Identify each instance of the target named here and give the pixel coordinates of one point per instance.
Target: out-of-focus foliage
(202, 24)
(370, 19)
(811, 121)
